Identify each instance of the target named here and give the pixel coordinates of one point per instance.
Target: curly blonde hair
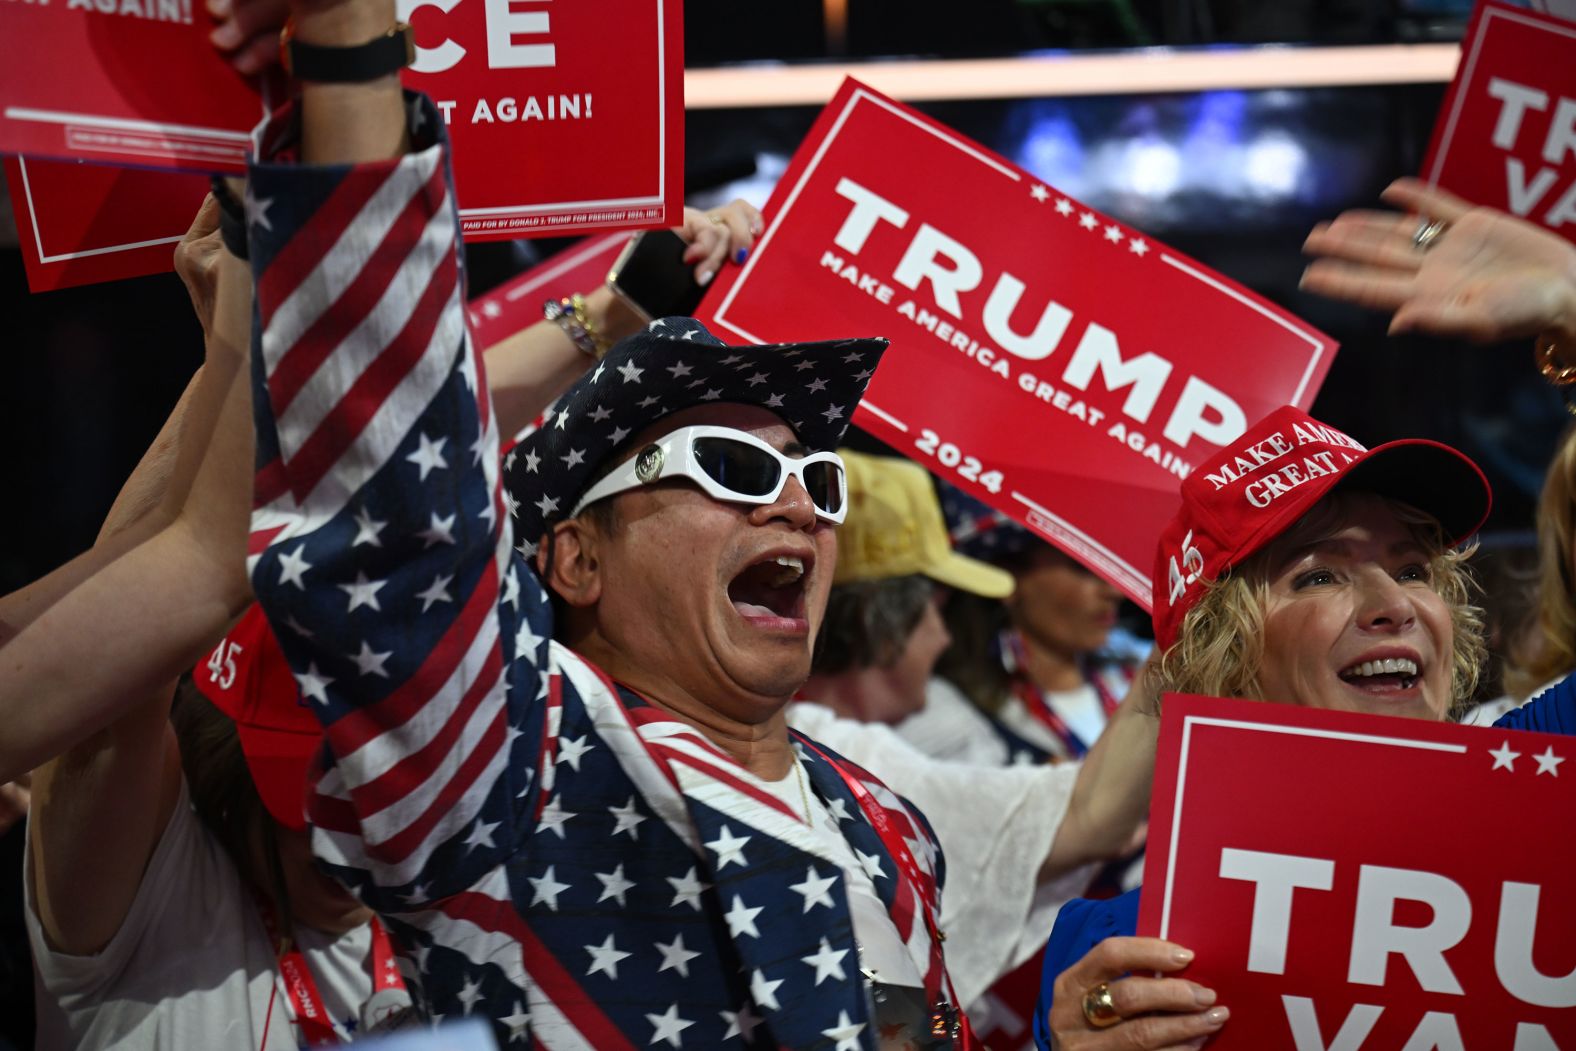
(1220, 645)
(1551, 653)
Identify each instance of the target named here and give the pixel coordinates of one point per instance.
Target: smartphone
(653, 278)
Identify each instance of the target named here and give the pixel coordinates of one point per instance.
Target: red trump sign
(1057, 364)
(1506, 135)
(1352, 882)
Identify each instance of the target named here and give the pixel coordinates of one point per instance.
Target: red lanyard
(909, 873)
(305, 999)
(1035, 703)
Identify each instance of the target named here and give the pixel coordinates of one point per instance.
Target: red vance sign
(1057, 364)
(1357, 883)
(1506, 135)
(565, 117)
(84, 223)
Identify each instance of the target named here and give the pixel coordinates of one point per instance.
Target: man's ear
(567, 560)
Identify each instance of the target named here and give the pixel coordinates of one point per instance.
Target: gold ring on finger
(1099, 1008)
(714, 217)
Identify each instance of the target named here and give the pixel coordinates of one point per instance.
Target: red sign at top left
(559, 125)
(122, 82)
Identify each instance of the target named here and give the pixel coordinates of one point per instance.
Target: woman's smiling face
(1352, 620)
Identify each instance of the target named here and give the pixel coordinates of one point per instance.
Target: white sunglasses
(730, 465)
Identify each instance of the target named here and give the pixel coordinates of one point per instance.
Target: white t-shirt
(1079, 708)
(191, 966)
(995, 826)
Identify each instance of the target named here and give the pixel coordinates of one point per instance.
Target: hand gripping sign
(1506, 135)
(1056, 364)
(1356, 883)
(564, 118)
(83, 223)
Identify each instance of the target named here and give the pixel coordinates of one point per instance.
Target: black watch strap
(378, 57)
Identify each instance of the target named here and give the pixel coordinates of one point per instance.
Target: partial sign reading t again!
(559, 125)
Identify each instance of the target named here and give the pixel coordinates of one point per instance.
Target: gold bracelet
(1551, 363)
(570, 314)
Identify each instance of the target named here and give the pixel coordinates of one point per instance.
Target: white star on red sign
(1548, 762)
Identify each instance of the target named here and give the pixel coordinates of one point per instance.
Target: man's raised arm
(380, 538)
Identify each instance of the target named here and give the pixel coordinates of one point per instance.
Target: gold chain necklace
(804, 796)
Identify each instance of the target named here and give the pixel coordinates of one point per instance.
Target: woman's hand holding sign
(719, 235)
(1460, 271)
(1097, 1009)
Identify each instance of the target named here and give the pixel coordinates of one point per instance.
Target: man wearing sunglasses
(590, 824)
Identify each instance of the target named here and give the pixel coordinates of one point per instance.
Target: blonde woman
(1316, 573)
(1550, 654)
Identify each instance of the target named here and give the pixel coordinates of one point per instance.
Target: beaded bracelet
(570, 315)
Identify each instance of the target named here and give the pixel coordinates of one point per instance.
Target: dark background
(1234, 179)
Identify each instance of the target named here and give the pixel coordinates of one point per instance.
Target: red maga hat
(246, 678)
(1234, 504)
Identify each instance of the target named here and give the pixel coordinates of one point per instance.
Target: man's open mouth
(771, 588)
(1389, 675)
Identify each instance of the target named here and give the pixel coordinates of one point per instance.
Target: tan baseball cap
(894, 528)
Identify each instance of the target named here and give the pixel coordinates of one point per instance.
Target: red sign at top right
(1506, 135)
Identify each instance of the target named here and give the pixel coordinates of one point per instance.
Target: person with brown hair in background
(1049, 664)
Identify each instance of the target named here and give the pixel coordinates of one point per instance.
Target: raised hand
(247, 31)
(1487, 276)
(197, 261)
